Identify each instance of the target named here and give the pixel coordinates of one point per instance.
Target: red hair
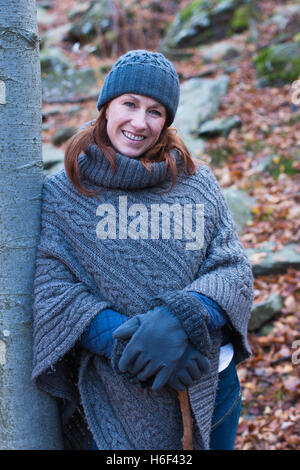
(96, 133)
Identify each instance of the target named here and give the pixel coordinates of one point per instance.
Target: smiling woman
(134, 123)
(147, 293)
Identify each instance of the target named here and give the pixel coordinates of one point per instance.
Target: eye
(155, 112)
(130, 104)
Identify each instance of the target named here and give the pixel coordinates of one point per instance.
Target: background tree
(28, 418)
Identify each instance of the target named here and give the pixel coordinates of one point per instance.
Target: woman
(142, 287)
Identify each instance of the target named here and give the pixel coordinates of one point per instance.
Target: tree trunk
(28, 418)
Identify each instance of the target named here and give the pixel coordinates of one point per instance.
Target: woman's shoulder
(56, 184)
(204, 171)
(203, 178)
(203, 187)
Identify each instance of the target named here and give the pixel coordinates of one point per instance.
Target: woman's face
(134, 123)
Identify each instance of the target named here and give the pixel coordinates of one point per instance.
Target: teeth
(132, 136)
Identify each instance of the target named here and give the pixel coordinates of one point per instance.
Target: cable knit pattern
(78, 275)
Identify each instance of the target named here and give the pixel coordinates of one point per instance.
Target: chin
(133, 154)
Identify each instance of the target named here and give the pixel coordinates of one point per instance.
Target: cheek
(111, 127)
(158, 131)
(108, 130)
(111, 120)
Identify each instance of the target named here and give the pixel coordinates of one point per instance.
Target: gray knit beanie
(144, 73)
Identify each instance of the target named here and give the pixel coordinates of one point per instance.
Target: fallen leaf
(286, 424)
(291, 383)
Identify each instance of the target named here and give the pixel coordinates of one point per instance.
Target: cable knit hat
(144, 73)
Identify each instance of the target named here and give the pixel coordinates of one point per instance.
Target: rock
(278, 64)
(52, 112)
(243, 17)
(239, 203)
(46, 127)
(43, 17)
(54, 169)
(63, 135)
(219, 127)
(195, 146)
(195, 105)
(53, 37)
(47, 4)
(222, 50)
(283, 16)
(265, 261)
(74, 109)
(51, 156)
(72, 84)
(96, 19)
(262, 165)
(54, 60)
(199, 101)
(77, 10)
(262, 312)
(266, 329)
(204, 21)
(230, 69)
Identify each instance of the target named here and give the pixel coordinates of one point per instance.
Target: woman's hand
(98, 336)
(191, 367)
(155, 348)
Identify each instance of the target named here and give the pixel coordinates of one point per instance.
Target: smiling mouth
(134, 137)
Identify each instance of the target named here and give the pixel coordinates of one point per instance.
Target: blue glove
(98, 337)
(217, 316)
(191, 367)
(155, 348)
(193, 364)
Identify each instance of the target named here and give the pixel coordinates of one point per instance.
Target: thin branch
(187, 439)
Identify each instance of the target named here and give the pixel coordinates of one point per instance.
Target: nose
(139, 120)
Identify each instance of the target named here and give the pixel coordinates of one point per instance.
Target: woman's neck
(130, 172)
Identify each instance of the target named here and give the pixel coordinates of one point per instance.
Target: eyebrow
(156, 103)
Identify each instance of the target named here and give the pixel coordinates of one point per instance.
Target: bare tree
(28, 418)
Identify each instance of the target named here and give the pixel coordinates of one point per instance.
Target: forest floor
(271, 125)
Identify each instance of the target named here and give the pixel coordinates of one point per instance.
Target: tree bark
(28, 417)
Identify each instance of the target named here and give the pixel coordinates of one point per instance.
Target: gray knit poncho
(107, 251)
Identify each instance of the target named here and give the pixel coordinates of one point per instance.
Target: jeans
(227, 410)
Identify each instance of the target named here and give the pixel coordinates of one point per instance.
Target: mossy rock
(278, 64)
(63, 134)
(53, 60)
(263, 312)
(95, 20)
(242, 18)
(219, 127)
(206, 21)
(187, 12)
(240, 204)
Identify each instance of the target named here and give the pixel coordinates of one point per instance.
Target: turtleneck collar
(130, 173)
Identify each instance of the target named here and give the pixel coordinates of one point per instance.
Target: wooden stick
(187, 438)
